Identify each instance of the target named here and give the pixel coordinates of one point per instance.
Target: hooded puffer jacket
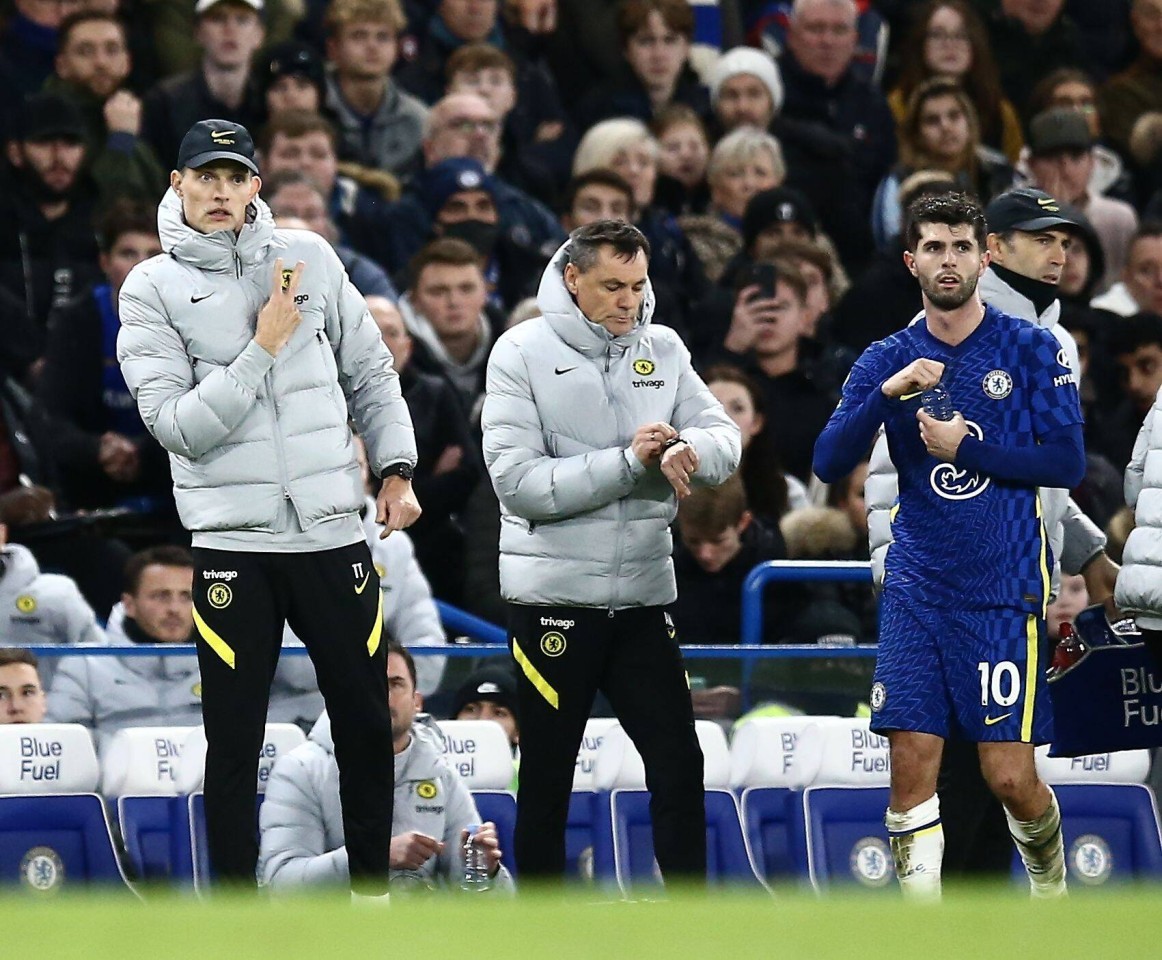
(583, 522)
(302, 822)
(249, 434)
(1139, 585)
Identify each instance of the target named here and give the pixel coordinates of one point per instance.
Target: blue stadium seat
(499, 806)
(1112, 834)
(727, 858)
(580, 834)
(47, 842)
(766, 817)
(156, 834)
(194, 810)
(843, 832)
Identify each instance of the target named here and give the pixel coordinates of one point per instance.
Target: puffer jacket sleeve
(68, 696)
(187, 418)
(460, 812)
(1136, 468)
(367, 374)
(1083, 539)
(75, 621)
(880, 491)
(529, 482)
(705, 425)
(292, 851)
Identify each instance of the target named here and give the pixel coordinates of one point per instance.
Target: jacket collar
(215, 252)
(561, 312)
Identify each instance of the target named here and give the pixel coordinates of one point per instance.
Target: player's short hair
(125, 216)
(1131, 334)
(602, 176)
(163, 556)
(585, 242)
(711, 510)
(447, 251)
(394, 646)
(479, 56)
(952, 209)
(343, 13)
(11, 655)
(293, 124)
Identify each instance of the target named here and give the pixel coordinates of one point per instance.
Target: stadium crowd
(445, 148)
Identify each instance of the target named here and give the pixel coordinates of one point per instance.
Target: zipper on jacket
(621, 506)
(278, 449)
(237, 265)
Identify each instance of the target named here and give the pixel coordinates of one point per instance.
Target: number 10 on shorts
(1000, 683)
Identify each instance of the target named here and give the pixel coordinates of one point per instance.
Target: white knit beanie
(752, 61)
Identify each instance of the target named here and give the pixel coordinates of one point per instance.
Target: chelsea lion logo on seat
(42, 870)
(955, 483)
(997, 384)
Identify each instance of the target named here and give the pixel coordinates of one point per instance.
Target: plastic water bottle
(474, 878)
(1068, 651)
(937, 403)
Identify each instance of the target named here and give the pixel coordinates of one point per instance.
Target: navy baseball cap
(451, 176)
(1028, 210)
(210, 140)
(51, 116)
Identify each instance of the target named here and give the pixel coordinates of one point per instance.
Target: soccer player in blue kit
(962, 613)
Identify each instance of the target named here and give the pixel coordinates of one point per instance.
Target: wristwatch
(402, 469)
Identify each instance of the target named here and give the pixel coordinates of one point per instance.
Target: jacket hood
(570, 324)
(156, 668)
(20, 567)
(214, 252)
(995, 292)
(421, 328)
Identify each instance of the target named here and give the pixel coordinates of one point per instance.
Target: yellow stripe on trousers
(213, 641)
(377, 627)
(534, 675)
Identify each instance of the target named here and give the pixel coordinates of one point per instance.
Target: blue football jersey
(963, 538)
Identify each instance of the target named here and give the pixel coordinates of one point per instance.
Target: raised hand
(279, 317)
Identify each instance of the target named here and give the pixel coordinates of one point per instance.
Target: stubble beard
(949, 299)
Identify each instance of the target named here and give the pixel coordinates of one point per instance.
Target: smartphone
(765, 276)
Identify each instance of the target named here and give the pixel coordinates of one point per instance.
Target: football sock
(1042, 849)
(917, 839)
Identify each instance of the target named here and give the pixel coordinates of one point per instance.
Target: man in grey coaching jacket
(595, 424)
(247, 349)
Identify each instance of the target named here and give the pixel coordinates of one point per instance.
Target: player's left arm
(1057, 458)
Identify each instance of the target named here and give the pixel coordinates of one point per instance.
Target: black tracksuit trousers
(331, 600)
(564, 655)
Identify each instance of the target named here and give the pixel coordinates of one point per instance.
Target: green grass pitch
(1122, 922)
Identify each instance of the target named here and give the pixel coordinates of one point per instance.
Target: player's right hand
(648, 440)
(916, 376)
(411, 850)
(279, 317)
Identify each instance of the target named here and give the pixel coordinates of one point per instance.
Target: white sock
(370, 900)
(1042, 849)
(917, 839)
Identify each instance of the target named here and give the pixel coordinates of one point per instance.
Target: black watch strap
(401, 469)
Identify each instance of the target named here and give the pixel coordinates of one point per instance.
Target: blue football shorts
(976, 675)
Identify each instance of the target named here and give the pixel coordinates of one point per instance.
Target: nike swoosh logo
(989, 721)
(910, 396)
(363, 585)
(200, 299)
(558, 371)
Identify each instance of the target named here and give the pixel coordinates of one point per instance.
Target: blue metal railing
(793, 571)
(492, 640)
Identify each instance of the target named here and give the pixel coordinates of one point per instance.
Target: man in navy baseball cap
(1028, 210)
(210, 140)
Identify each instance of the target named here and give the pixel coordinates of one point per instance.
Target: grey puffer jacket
(302, 823)
(1073, 537)
(1138, 589)
(252, 437)
(583, 523)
